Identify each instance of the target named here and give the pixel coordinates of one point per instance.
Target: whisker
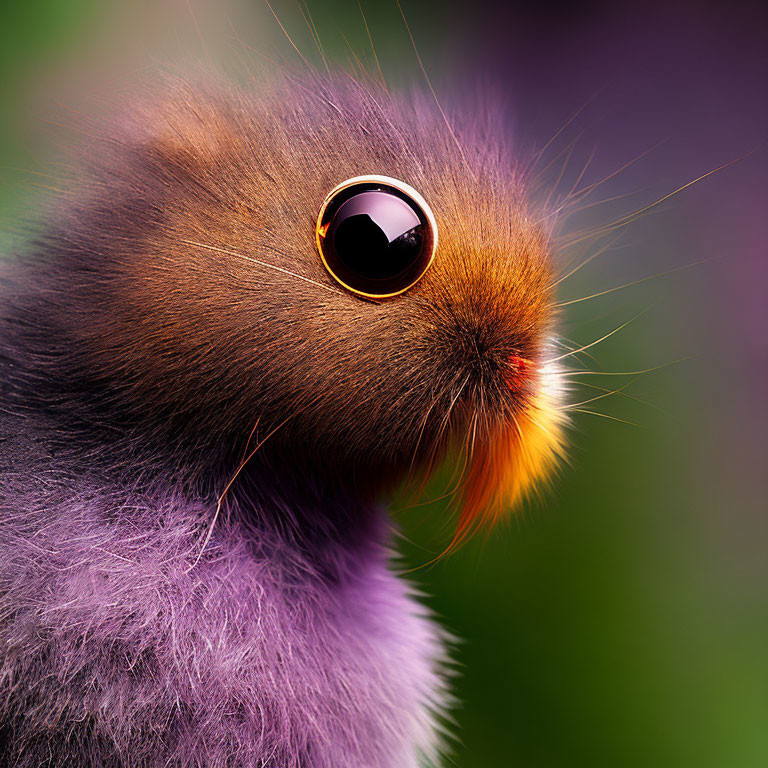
(592, 187)
(250, 437)
(352, 55)
(249, 48)
(30, 172)
(294, 80)
(623, 394)
(572, 209)
(424, 421)
(576, 183)
(453, 484)
(309, 21)
(574, 406)
(633, 216)
(573, 345)
(373, 47)
(261, 263)
(603, 201)
(434, 95)
(566, 150)
(441, 431)
(563, 166)
(200, 36)
(532, 165)
(49, 187)
(468, 450)
(646, 208)
(606, 416)
(287, 36)
(634, 282)
(222, 495)
(586, 261)
(597, 341)
(625, 373)
(474, 435)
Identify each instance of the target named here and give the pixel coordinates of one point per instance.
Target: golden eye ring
(376, 236)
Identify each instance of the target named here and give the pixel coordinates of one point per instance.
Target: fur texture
(177, 319)
(266, 653)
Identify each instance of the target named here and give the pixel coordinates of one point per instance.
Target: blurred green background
(621, 620)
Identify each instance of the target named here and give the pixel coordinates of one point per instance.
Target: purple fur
(116, 652)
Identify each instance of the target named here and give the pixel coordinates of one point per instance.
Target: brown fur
(191, 345)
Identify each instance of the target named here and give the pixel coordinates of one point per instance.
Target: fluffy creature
(197, 424)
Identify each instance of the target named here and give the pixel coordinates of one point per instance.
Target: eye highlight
(376, 236)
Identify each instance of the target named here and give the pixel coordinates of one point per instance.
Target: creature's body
(268, 652)
(176, 317)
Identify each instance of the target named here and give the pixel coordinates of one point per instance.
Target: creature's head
(217, 270)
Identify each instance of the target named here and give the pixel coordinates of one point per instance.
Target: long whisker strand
(434, 94)
(373, 47)
(586, 261)
(597, 341)
(625, 373)
(285, 32)
(605, 416)
(222, 495)
(634, 282)
(574, 406)
(261, 263)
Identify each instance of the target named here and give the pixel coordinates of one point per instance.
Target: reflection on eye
(376, 236)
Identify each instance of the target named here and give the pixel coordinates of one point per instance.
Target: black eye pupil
(376, 235)
(374, 238)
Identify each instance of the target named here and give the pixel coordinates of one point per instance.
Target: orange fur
(509, 463)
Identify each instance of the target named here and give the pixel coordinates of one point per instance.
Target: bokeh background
(622, 620)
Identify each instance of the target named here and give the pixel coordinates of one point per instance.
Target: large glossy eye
(376, 235)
